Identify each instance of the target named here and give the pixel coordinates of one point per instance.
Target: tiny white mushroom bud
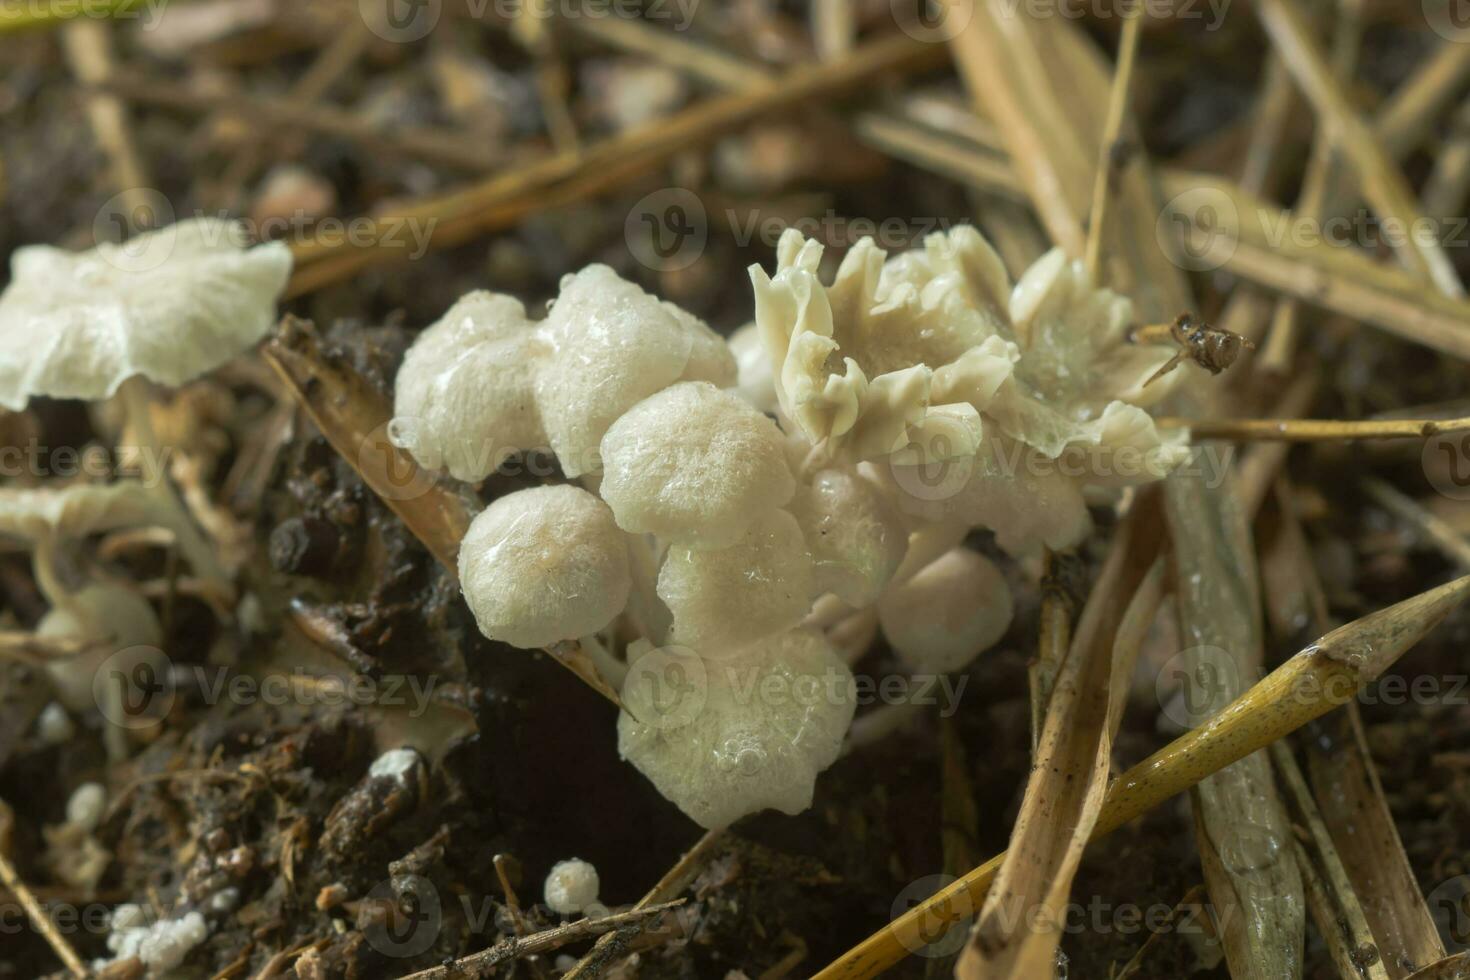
(54, 726)
(543, 565)
(728, 597)
(610, 345)
(947, 614)
(86, 805)
(695, 466)
(571, 886)
(746, 730)
(857, 538)
(464, 397)
(123, 631)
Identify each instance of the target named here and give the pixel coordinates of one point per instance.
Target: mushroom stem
(613, 670)
(884, 720)
(650, 615)
(152, 461)
(926, 545)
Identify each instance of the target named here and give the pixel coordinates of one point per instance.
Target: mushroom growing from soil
(544, 565)
(106, 618)
(166, 307)
(757, 726)
(571, 886)
(464, 398)
(694, 465)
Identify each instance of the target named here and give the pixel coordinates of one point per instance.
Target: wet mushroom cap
(610, 345)
(757, 587)
(465, 399)
(544, 565)
(752, 730)
(694, 465)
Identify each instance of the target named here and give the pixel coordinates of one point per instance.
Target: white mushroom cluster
(739, 503)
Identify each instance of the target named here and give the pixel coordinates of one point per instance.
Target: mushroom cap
(571, 886)
(170, 305)
(856, 537)
(465, 396)
(728, 597)
(754, 381)
(610, 345)
(753, 729)
(544, 565)
(695, 466)
(942, 618)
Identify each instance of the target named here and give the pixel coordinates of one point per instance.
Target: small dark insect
(1210, 347)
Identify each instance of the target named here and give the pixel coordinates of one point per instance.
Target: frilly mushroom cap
(862, 364)
(948, 613)
(169, 305)
(854, 359)
(856, 537)
(1079, 385)
(748, 730)
(465, 398)
(695, 466)
(544, 565)
(610, 345)
(728, 597)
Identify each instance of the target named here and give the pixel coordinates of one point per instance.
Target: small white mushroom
(54, 726)
(728, 597)
(116, 623)
(169, 305)
(464, 398)
(571, 886)
(695, 466)
(856, 537)
(85, 806)
(543, 565)
(610, 345)
(762, 723)
(947, 614)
